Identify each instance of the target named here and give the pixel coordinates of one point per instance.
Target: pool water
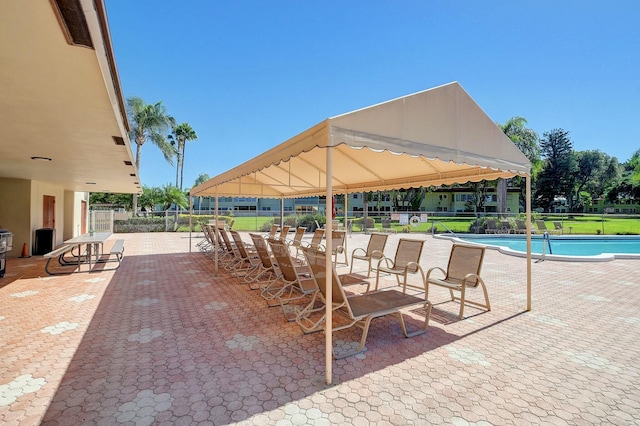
(571, 246)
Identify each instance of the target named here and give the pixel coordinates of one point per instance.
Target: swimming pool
(561, 247)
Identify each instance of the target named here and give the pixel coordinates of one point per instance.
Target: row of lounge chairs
(505, 227)
(291, 274)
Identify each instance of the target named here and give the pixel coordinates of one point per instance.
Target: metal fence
(418, 221)
(101, 220)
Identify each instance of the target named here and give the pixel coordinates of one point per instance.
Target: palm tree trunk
(182, 165)
(177, 168)
(135, 196)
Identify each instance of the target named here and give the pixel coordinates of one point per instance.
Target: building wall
(15, 205)
(73, 213)
(38, 190)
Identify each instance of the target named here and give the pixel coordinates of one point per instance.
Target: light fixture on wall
(41, 158)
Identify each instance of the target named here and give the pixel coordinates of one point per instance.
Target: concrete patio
(162, 340)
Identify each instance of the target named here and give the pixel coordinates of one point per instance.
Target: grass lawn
(584, 225)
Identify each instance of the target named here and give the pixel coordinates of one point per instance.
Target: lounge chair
(284, 231)
(542, 228)
(491, 228)
(248, 260)
(226, 253)
(358, 310)
(386, 225)
(316, 240)
(463, 272)
(521, 227)
(405, 262)
(374, 251)
(558, 227)
(297, 239)
(296, 282)
(338, 246)
(273, 231)
(265, 274)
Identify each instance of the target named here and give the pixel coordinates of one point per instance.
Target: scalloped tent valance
(434, 137)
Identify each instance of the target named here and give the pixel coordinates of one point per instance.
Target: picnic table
(85, 249)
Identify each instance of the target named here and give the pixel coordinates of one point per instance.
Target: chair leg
(363, 339)
(462, 294)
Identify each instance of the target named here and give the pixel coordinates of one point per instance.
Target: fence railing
(101, 220)
(426, 222)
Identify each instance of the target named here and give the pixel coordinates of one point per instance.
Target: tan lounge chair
(297, 239)
(374, 251)
(521, 227)
(491, 228)
(542, 228)
(463, 272)
(405, 262)
(248, 260)
(316, 240)
(273, 231)
(359, 310)
(558, 227)
(338, 246)
(284, 231)
(296, 282)
(265, 274)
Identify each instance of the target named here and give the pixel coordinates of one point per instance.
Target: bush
(139, 224)
(309, 221)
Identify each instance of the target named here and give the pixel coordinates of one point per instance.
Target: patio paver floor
(164, 341)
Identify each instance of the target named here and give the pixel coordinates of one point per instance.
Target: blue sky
(248, 75)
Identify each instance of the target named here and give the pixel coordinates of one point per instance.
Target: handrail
(445, 227)
(545, 236)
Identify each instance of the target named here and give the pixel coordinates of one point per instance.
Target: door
(83, 218)
(49, 211)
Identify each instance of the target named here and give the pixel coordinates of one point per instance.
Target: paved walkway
(164, 341)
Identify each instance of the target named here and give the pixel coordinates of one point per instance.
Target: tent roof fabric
(435, 137)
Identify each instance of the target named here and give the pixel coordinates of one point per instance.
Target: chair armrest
(470, 276)
(386, 260)
(358, 249)
(436, 268)
(377, 254)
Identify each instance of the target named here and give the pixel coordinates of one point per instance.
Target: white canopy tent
(435, 137)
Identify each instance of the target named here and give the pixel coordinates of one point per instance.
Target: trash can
(6, 245)
(44, 241)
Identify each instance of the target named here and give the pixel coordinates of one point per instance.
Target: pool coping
(603, 257)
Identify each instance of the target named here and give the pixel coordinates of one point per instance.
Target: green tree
(628, 186)
(172, 195)
(181, 134)
(150, 197)
(202, 178)
(149, 122)
(527, 142)
(634, 166)
(408, 199)
(595, 173)
(115, 200)
(557, 176)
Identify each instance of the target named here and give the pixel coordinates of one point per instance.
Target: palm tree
(182, 133)
(148, 122)
(172, 195)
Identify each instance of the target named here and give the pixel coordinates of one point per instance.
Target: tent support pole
(528, 208)
(281, 212)
(215, 234)
(329, 270)
(190, 216)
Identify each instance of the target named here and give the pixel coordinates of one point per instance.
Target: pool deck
(162, 340)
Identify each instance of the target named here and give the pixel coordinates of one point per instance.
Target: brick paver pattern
(163, 340)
